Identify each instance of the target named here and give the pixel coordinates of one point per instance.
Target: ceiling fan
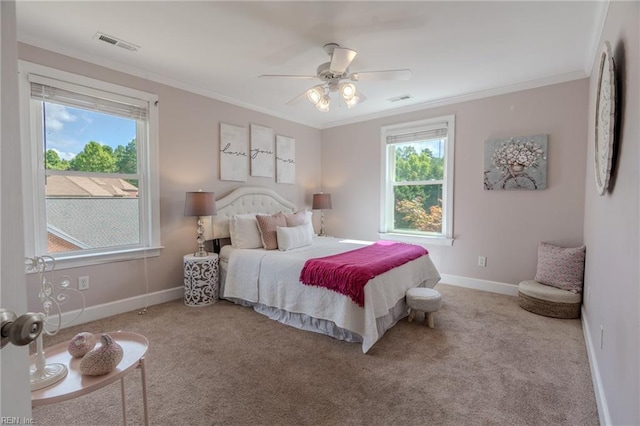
(333, 73)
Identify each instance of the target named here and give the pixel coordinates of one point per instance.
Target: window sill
(423, 240)
(79, 260)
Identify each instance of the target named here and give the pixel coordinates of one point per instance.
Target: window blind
(439, 132)
(62, 96)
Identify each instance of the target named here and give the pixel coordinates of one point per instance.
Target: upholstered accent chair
(556, 290)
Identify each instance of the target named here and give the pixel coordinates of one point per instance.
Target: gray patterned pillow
(561, 267)
(267, 224)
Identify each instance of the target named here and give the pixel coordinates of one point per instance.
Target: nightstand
(200, 279)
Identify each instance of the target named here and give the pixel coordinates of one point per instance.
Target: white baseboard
(97, 312)
(601, 399)
(477, 284)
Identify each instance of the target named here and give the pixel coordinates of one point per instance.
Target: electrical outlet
(482, 261)
(83, 283)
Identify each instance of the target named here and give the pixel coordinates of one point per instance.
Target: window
(417, 188)
(90, 156)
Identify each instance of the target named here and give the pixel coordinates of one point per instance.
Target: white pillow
(244, 232)
(294, 236)
(301, 217)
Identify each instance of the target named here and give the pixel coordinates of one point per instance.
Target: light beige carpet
(487, 362)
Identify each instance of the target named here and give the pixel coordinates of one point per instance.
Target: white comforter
(271, 277)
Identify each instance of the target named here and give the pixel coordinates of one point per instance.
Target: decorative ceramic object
(605, 118)
(81, 344)
(102, 360)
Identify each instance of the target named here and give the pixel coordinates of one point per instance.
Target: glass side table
(201, 279)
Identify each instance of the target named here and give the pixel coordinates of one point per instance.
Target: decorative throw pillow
(267, 225)
(293, 237)
(561, 267)
(244, 232)
(301, 217)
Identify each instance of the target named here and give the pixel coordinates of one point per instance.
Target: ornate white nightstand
(200, 279)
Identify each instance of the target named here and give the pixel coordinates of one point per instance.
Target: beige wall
(612, 278)
(189, 160)
(504, 226)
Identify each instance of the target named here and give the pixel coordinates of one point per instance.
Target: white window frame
(33, 170)
(388, 178)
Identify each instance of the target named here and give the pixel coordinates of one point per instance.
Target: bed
(268, 280)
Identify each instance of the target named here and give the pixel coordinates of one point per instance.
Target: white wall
(189, 160)
(504, 226)
(612, 278)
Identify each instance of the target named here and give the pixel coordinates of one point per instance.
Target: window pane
(87, 213)
(84, 140)
(419, 161)
(418, 208)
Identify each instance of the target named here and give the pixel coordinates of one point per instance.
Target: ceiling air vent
(400, 98)
(116, 41)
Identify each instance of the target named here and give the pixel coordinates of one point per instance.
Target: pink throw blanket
(347, 273)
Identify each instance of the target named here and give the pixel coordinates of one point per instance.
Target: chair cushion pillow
(561, 267)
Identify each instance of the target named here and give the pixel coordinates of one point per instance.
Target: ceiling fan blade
(361, 96)
(298, 98)
(381, 75)
(341, 59)
(301, 77)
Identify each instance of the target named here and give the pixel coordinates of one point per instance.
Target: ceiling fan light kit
(315, 94)
(331, 73)
(323, 104)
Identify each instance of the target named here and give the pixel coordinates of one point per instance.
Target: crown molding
(175, 83)
(596, 36)
(147, 75)
(533, 84)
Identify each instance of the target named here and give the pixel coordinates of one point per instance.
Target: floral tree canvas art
(516, 163)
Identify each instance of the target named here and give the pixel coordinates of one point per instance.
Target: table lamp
(200, 204)
(321, 202)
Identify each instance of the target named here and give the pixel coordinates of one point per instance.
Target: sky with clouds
(69, 129)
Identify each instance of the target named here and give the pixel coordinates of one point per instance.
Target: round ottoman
(548, 301)
(425, 300)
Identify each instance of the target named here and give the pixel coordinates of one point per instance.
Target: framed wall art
(234, 147)
(518, 163)
(285, 159)
(261, 151)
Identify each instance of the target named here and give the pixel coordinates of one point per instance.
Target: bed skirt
(329, 328)
(326, 327)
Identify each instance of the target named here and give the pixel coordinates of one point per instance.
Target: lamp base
(50, 374)
(201, 252)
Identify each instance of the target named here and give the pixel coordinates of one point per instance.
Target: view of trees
(97, 158)
(418, 207)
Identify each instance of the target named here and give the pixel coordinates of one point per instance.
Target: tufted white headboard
(244, 200)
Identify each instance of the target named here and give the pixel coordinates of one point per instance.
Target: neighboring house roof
(82, 186)
(94, 222)
(59, 243)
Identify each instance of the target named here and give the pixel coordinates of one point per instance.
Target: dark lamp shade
(200, 204)
(321, 201)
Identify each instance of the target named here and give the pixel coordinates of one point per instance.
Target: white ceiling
(456, 50)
